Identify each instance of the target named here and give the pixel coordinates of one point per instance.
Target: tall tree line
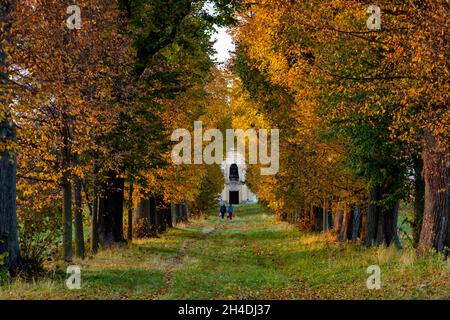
(364, 113)
(95, 109)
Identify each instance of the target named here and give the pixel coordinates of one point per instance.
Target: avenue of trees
(86, 117)
(363, 113)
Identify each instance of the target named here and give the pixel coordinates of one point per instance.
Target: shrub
(4, 274)
(39, 236)
(211, 185)
(304, 224)
(36, 247)
(143, 229)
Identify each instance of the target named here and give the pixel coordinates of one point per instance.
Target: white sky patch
(224, 45)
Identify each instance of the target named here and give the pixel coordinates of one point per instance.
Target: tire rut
(178, 261)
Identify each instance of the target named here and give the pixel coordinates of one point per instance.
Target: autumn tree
(9, 244)
(370, 86)
(174, 67)
(71, 84)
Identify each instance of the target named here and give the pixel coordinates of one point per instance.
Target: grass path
(252, 257)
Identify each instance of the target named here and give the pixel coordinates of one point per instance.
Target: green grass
(252, 257)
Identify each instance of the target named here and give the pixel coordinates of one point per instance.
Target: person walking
(230, 212)
(223, 210)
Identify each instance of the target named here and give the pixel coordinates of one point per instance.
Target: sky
(224, 43)
(223, 46)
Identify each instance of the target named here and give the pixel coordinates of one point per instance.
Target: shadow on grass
(123, 280)
(252, 235)
(155, 250)
(222, 281)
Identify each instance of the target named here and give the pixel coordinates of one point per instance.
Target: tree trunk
(111, 211)
(79, 230)
(185, 211)
(325, 216)
(419, 200)
(318, 217)
(152, 211)
(161, 220)
(363, 224)
(94, 224)
(337, 223)
(9, 241)
(346, 225)
(372, 217)
(312, 218)
(173, 210)
(390, 225)
(178, 206)
(95, 210)
(381, 226)
(67, 217)
(142, 217)
(130, 214)
(356, 224)
(381, 222)
(436, 172)
(143, 212)
(169, 221)
(66, 163)
(387, 226)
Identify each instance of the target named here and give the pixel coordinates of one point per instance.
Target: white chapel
(235, 190)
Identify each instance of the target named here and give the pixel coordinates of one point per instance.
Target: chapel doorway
(234, 197)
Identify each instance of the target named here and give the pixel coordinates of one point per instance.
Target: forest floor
(253, 256)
